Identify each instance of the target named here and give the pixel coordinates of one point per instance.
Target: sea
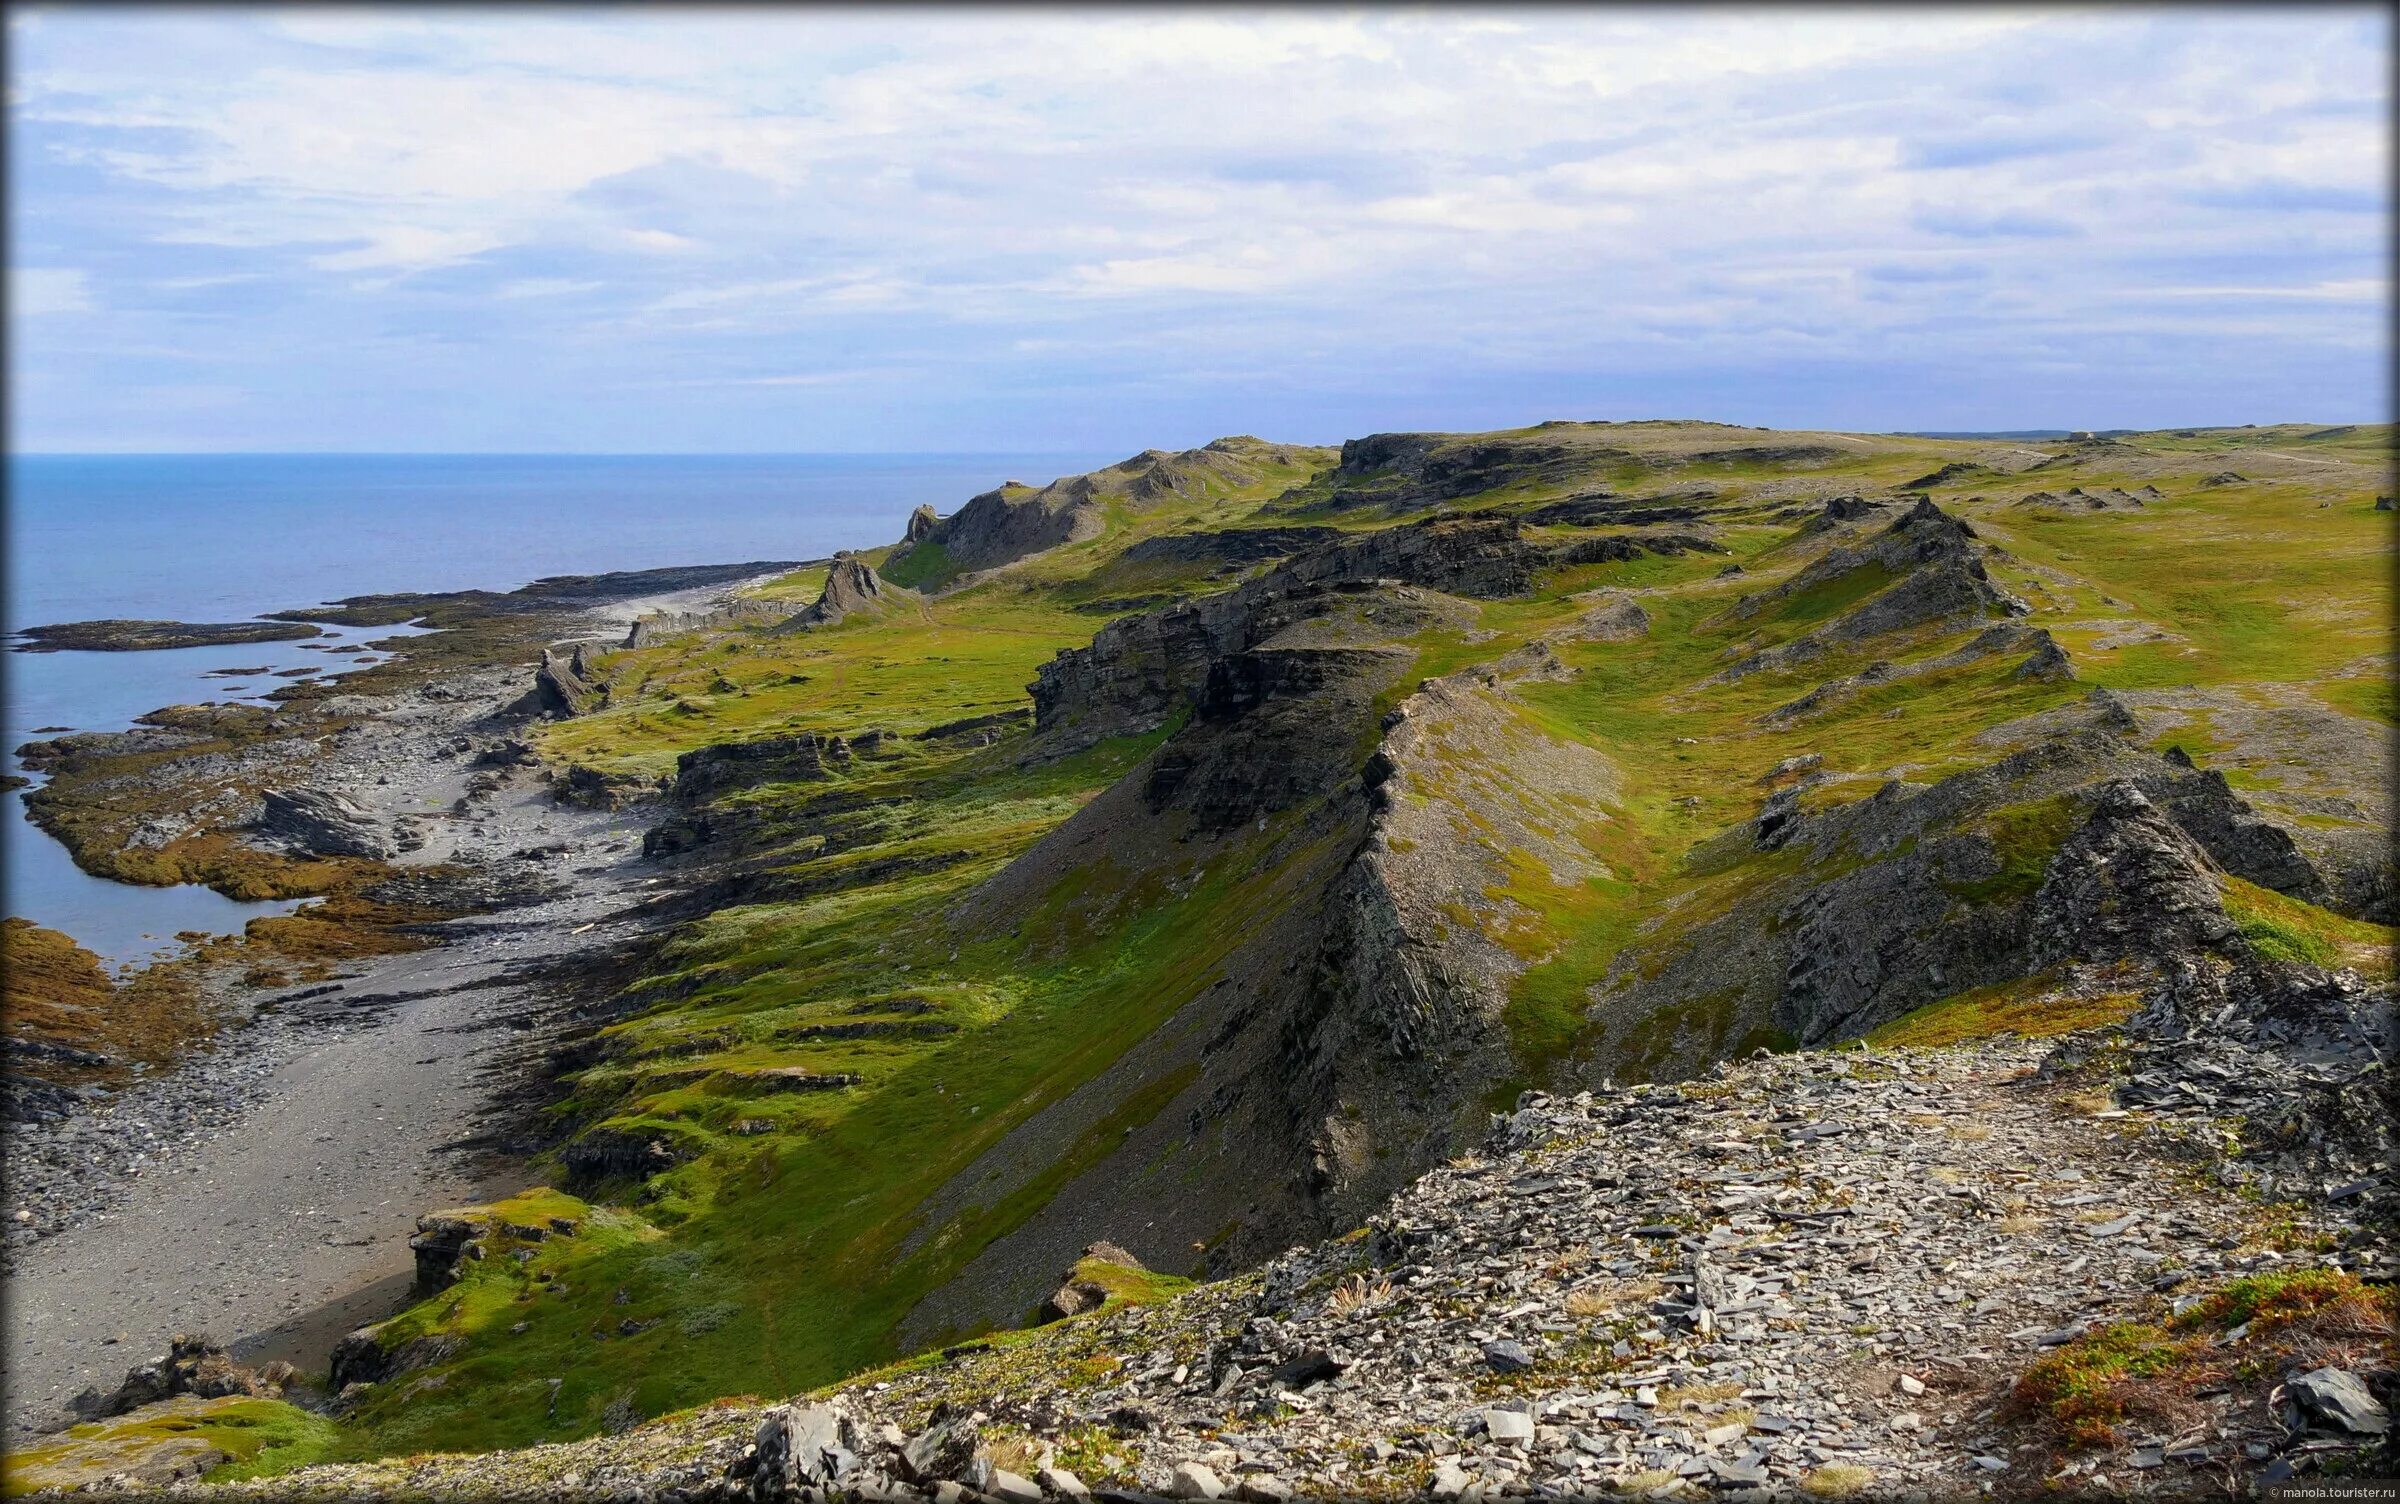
(224, 537)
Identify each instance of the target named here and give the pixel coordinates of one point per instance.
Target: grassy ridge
(790, 1242)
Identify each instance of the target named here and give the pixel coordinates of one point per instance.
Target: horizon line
(2024, 431)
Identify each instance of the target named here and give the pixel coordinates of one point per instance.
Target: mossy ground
(2285, 929)
(2031, 1007)
(258, 1437)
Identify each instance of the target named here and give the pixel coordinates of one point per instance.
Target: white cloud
(1497, 188)
(546, 287)
(410, 247)
(2349, 290)
(37, 290)
(658, 242)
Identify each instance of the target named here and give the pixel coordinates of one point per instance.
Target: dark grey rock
(323, 822)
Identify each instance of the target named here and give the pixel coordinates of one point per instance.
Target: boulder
(944, 1450)
(1078, 1291)
(322, 822)
(2336, 1398)
(1508, 1426)
(813, 1447)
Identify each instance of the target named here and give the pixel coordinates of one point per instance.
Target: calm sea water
(227, 537)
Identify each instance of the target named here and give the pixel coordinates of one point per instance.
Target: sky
(773, 230)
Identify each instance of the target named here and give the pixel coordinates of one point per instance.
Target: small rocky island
(116, 635)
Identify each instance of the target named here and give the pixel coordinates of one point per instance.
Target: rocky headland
(1650, 959)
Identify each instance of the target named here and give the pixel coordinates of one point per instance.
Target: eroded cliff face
(1383, 586)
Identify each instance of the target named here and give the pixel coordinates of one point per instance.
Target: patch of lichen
(249, 1437)
(2244, 1334)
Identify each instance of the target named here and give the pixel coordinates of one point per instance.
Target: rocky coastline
(2010, 1057)
(458, 902)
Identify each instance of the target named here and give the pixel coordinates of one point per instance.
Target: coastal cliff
(1517, 916)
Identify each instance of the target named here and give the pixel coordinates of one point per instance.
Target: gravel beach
(264, 1191)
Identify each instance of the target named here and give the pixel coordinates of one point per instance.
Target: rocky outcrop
(2127, 883)
(1924, 572)
(590, 788)
(567, 686)
(1140, 669)
(1612, 617)
(1004, 525)
(1949, 475)
(372, 1355)
(191, 1365)
(706, 772)
(978, 730)
(1078, 1291)
(921, 523)
(1404, 472)
(324, 822)
(606, 1154)
(2093, 499)
(1269, 729)
(1400, 1021)
(1622, 548)
(852, 589)
(1606, 509)
(1837, 511)
(1240, 545)
(443, 1244)
(659, 626)
(2081, 849)
(2045, 661)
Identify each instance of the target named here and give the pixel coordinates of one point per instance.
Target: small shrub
(1356, 1293)
(1837, 1480)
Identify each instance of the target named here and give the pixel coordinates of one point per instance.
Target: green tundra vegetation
(833, 1062)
